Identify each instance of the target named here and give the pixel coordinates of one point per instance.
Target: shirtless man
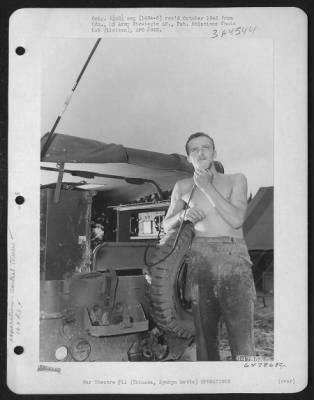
(222, 281)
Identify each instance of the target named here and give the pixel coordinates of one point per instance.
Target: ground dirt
(263, 332)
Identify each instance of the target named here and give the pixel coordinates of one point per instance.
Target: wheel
(169, 286)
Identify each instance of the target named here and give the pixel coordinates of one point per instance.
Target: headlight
(61, 353)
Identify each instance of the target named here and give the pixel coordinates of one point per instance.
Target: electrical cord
(182, 223)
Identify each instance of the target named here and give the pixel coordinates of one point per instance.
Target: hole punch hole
(19, 200)
(20, 50)
(19, 350)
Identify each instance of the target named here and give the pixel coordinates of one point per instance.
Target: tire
(167, 308)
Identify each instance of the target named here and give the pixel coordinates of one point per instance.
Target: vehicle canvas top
(89, 155)
(73, 149)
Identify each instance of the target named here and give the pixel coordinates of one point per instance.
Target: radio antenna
(67, 102)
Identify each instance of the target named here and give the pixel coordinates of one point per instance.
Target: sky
(152, 93)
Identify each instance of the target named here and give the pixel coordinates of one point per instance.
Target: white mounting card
(157, 75)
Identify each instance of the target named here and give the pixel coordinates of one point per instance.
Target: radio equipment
(140, 221)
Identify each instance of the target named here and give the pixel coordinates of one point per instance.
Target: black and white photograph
(108, 243)
(158, 201)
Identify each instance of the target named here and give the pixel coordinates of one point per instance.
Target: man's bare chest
(198, 198)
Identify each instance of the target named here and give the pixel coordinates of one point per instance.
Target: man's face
(201, 152)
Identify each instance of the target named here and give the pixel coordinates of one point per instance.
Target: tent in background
(259, 234)
(259, 224)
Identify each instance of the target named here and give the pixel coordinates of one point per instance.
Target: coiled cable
(182, 223)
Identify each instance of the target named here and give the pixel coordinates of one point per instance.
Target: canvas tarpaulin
(81, 154)
(73, 149)
(115, 159)
(259, 224)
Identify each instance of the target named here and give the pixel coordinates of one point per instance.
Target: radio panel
(140, 221)
(150, 224)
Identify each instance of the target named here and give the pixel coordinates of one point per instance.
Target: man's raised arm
(233, 211)
(175, 212)
(173, 215)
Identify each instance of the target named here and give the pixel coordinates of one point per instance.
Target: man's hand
(194, 214)
(203, 178)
